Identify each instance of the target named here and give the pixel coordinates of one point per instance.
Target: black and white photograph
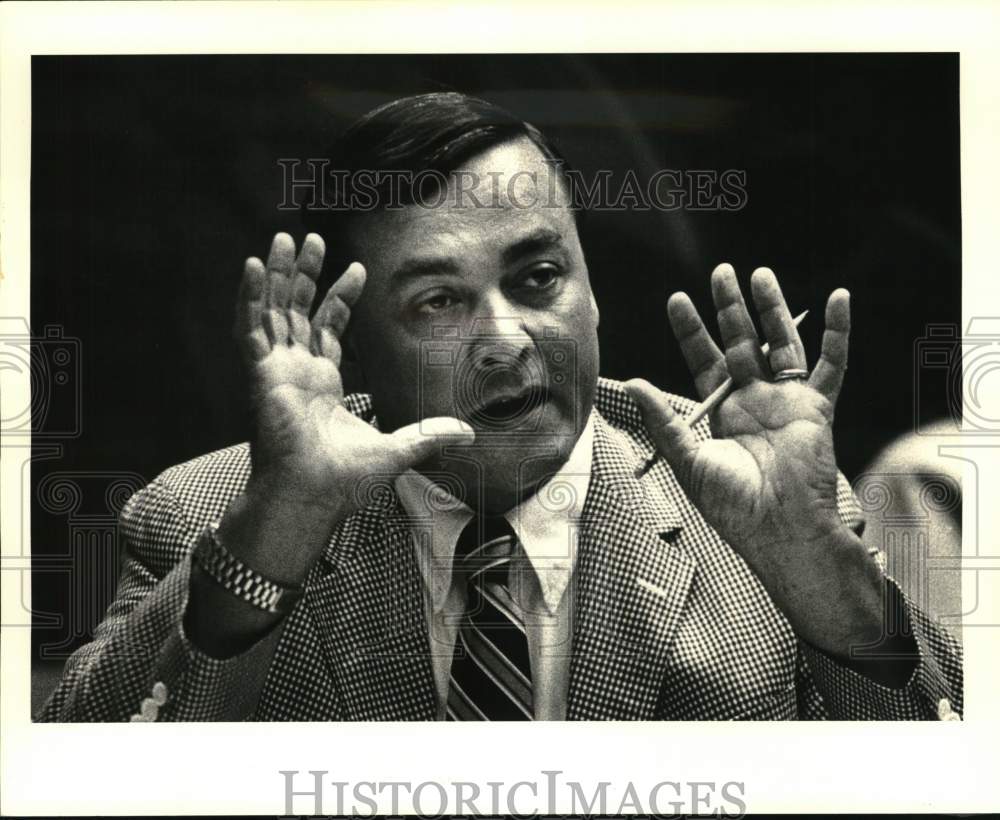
(538, 386)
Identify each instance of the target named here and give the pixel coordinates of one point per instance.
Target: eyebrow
(418, 268)
(538, 240)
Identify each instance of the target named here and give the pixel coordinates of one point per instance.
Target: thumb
(416, 442)
(671, 435)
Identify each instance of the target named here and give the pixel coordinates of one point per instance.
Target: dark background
(154, 177)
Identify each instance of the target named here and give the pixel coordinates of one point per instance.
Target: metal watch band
(233, 575)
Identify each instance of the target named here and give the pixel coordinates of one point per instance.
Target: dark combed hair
(433, 133)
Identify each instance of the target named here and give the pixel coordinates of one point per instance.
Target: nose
(499, 353)
(499, 323)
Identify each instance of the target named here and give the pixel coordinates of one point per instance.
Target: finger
(324, 342)
(249, 329)
(335, 310)
(417, 442)
(828, 376)
(310, 261)
(276, 326)
(298, 316)
(786, 350)
(332, 316)
(350, 284)
(702, 354)
(322, 335)
(280, 267)
(303, 286)
(672, 437)
(744, 361)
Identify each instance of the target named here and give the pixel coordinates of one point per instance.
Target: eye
(540, 278)
(436, 302)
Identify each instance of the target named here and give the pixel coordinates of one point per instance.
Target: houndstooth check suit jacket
(669, 622)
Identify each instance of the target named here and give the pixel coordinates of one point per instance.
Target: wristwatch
(233, 575)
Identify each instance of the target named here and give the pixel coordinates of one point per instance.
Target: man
(491, 531)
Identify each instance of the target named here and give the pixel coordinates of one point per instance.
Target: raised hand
(767, 480)
(307, 445)
(309, 454)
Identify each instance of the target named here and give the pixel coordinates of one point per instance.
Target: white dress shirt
(541, 574)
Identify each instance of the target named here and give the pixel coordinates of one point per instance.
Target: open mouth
(509, 411)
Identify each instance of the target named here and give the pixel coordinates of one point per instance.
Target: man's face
(481, 308)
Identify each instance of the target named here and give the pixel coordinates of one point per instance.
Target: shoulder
(204, 486)
(163, 520)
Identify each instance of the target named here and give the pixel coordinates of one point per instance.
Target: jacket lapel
(631, 585)
(369, 607)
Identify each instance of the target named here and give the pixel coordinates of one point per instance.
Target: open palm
(304, 434)
(767, 480)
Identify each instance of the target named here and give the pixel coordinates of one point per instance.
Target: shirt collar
(546, 524)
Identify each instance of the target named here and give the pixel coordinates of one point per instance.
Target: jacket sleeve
(933, 691)
(140, 665)
(828, 689)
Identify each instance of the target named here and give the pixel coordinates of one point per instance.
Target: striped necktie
(490, 670)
